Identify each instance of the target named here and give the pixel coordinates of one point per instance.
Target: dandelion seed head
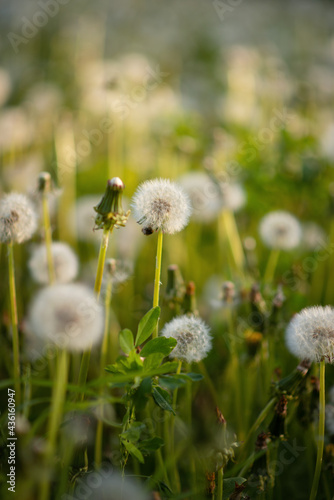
(18, 218)
(161, 204)
(280, 230)
(314, 237)
(67, 315)
(192, 335)
(310, 334)
(65, 261)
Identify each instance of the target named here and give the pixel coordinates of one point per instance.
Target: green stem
(256, 424)
(56, 411)
(234, 240)
(103, 362)
(209, 382)
(171, 439)
(14, 322)
(97, 289)
(271, 266)
(321, 433)
(48, 238)
(101, 261)
(220, 484)
(157, 277)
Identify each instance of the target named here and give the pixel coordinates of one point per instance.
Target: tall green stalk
(56, 412)
(97, 288)
(157, 277)
(14, 323)
(48, 238)
(271, 266)
(103, 362)
(321, 433)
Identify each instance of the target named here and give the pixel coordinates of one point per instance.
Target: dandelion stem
(14, 322)
(234, 240)
(101, 261)
(56, 411)
(157, 277)
(220, 484)
(103, 362)
(321, 433)
(271, 266)
(48, 238)
(97, 289)
(171, 438)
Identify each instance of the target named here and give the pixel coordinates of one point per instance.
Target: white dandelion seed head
(280, 230)
(161, 204)
(110, 485)
(65, 262)
(192, 335)
(18, 218)
(310, 334)
(67, 315)
(330, 419)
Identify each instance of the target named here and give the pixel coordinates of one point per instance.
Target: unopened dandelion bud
(253, 341)
(175, 286)
(220, 417)
(189, 300)
(110, 211)
(228, 292)
(111, 266)
(44, 182)
(291, 384)
(277, 425)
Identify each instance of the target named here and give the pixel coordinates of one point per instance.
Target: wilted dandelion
(160, 204)
(280, 230)
(18, 218)
(67, 315)
(310, 334)
(65, 263)
(193, 338)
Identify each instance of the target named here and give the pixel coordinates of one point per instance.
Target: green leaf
(133, 433)
(229, 486)
(162, 345)
(172, 381)
(152, 444)
(195, 377)
(153, 361)
(169, 367)
(141, 395)
(133, 450)
(162, 398)
(126, 340)
(147, 324)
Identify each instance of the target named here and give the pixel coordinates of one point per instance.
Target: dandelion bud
(220, 417)
(189, 300)
(193, 338)
(44, 182)
(18, 218)
(292, 383)
(228, 292)
(110, 211)
(253, 341)
(277, 425)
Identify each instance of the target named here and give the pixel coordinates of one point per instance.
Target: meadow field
(166, 250)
